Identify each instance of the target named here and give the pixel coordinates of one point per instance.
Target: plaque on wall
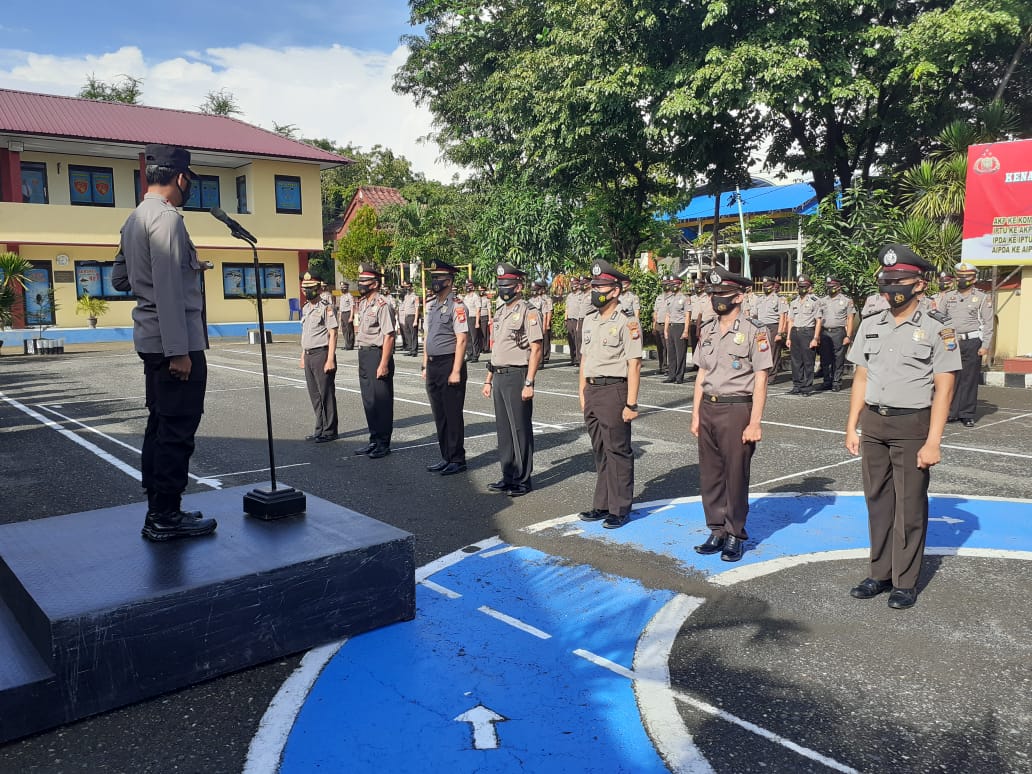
(64, 276)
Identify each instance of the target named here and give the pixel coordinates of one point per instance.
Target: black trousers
(677, 351)
(776, 345)
(611, 445)
(965, 395)
(474, 343)
(833, 355)
(174, 410)
(724, 466)
(410, 334)
(897, 494)
(446, 403)
(513, 423)
(802, 358)
(377, 395)
(322, 391)
(573, 339)
(485, 335)
(347, 331)
(661, 353)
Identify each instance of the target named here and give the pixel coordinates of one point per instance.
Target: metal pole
(746, 267)
(265, 365)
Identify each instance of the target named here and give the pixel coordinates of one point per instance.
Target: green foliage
(377, 166)
(128, 90)
(646, 285)
(558, 320)
(91, 307)
(363, 241)
(220, 103)
(13, 270)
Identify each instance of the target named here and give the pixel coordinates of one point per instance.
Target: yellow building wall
(1024, 322)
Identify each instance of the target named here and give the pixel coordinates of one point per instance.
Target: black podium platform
(93, 617)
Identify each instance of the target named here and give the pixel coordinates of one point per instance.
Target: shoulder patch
(460, 313)
(761, 339)
(942, 317)
(627, 312)
(949, 338)
(634, 328)
(381, 301)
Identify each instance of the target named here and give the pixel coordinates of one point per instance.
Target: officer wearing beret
(609, 377)
(444, 367)
(772, 310)
(804, 335)
(734, 357)
(344, 310)
(515, 358)
(170, 337)
(678, 313)
(543, 304)
(319, 358)
(836, 332)
(906, 360)
(971, 311)
(374, 334)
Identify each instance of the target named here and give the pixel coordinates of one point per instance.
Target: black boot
(169, 525)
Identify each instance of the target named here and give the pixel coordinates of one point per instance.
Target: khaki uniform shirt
(409, 306)
(970, 312)
(769, 307)
(166, 277)
(485, 310)
(317, 317)
(804, 311)
(608, 343)
(345, 302)
(375, 321)
(659, 308)
(731, 358)
(902, 359)
(575, 306)
(444, 319)
(678, 309)
(702, 307)
(472, 304)
(873, 304)
(630, 302)
(516, 326)
(837, 310)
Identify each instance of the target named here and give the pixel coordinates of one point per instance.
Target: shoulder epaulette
(942, 317)
(627, 312)
(756, 322)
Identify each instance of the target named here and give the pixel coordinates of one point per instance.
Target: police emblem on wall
(987, 164)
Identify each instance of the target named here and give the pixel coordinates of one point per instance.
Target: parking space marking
(514, 622)
(440, 589)
(804, 472)
(260, 470)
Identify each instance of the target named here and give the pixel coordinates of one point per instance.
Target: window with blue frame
(34, 183)
(94, 278)
(288, 194)
(204, 193)
(91, 186)
(238, 280)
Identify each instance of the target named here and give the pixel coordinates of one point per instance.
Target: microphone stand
(272, 503)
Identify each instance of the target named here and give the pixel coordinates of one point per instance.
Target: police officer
(971, 312)
(319, 358)
(543, 304)
(408, 313)
(344, 308)
(947, 282)
(484, 328)
(375, 333)
(836, 333)
(444, 367)
(804, 336)
(170, 337)
(510, 381)
(906, 361)
(873, 304)
(678, 313)
(629, 301)
(772, 310)
(574, 314)
(702, 308)
(658, 329)
(609, 377)
(734, 356)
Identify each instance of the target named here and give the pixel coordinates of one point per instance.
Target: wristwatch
(528, 383)
(632, 406)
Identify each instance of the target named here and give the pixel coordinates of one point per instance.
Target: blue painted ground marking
(388, 700)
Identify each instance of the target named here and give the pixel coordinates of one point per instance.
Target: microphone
(235, 228)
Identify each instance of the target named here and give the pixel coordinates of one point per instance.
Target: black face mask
(507, 292)
(723, 304)
(437, 286)
(185, 192)
(365, 288)
(833, 291)
(964, 284)
(803, 291)
(768, 289)
(599, 299)
(899, 295)
(311, 293)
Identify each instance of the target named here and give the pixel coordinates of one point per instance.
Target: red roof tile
(70, 117)
(375, 196)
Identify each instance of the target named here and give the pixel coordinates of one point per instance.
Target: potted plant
(91, 307)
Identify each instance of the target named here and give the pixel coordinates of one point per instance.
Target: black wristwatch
(632, 406)
(528, 383)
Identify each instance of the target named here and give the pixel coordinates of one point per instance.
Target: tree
(363, 241)
(13, 280)
(221, 103)
(290, 131)
(129, 90)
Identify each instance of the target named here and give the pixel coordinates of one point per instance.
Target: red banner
(998, 204)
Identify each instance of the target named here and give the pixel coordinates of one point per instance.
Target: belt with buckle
(889, 411)
(504, 369)
(446, 356)
(970, 335)
(316, 349)
(369, 346)
(835, 328)
(726, 398)
(603, 380)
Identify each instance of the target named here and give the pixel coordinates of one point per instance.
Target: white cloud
(339, 93)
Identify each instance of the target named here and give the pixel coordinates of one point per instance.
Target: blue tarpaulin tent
(799, 198)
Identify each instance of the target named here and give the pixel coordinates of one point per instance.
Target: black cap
(802, 278)
(309, 281)
(171, 156)
(441, 267)
(830, 279)
(604, 273)
(506, 271)
(899, 261)
(541, 282)
(722, 279)
(345, 284)
(369, 271)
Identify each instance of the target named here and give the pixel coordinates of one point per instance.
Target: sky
(326, 68)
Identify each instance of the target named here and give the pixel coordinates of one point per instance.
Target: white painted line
(992, 452)
(444, 592)
(656, 702)
(605, 663)
(262, 470)
(541, 526)
(573, 532)
(804, 427)
(984, 425)
(497, 551)
(454, 557)
(515, 622)
(804, 472)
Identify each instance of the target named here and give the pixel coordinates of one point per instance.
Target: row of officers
(907, 357)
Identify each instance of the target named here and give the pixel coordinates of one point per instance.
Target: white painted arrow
(485, 736)
(947, 519)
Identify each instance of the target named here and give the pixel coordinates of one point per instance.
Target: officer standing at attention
(971, 311)
(702, 308)
(170, 337)
(804, 336)
(574, 313)
(906, 362)
(658, 330)
(374, 334)
(471, 301)
(485, 319)
(873, 304)
(629, 301)
(836, 333)
(609, 377)
(733, 358)
(772, 310)
(409, 315)
(344, 308)
(543, 304)
(444, 367)
(678, 313)
(319, 358)
(947, 282)
(510, 381)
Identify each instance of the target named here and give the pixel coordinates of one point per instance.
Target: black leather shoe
(595, 514)
(794, 391)
(967, 422)
(518, 490)
(615, 522)
(438, 467)
(452, 468)
(326, 438)
(379, 452)
(367, 449)
(160, 527)
(836, 387)
(713, 544)
(733, 549)
(952, 419)
(499, 486)
(311, 437)
(869, 587)
(668, 380)
(901, 599)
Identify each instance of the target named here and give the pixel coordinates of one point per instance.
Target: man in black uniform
(515, 358)
(374, 333)
(319, 358)
(444, 367)
(170, 337)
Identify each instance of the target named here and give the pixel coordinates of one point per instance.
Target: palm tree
(13, 271)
